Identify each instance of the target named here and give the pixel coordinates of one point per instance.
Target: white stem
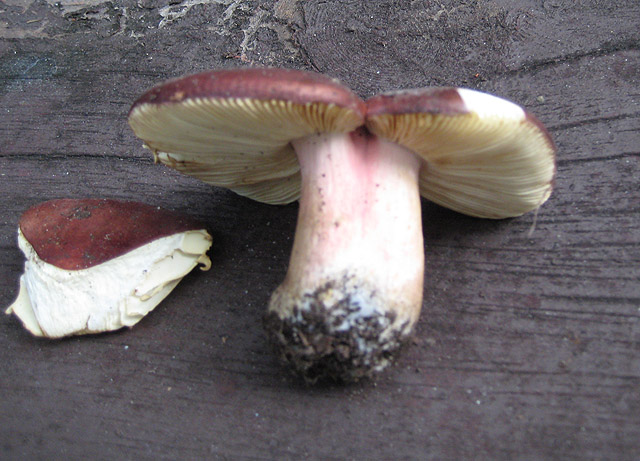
(358, 251)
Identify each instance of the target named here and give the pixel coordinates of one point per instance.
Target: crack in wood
(608, 158)
(592, 121)
(604, 50)
(59, 156)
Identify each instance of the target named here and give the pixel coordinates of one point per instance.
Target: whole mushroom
(353, 289)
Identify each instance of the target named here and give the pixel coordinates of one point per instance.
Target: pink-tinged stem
(353, 290)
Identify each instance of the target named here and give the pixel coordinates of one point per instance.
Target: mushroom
(96, 265)
(353, 289)
(481, 155)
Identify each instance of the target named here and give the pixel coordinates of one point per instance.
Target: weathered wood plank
(529, 342)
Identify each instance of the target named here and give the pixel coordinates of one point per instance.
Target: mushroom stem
(353, 290)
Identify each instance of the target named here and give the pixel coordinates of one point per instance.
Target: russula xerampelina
(353, 289)
(96, 265)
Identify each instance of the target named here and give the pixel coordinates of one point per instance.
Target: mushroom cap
(76, 234)
(482, 155)
(95, 265)
(232, 128)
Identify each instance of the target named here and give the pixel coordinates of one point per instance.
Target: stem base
(340, 331)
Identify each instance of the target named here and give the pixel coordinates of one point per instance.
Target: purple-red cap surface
(74, 234)
(298, 87)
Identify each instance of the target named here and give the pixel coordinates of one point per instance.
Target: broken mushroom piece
(96, 265)
(353, 290)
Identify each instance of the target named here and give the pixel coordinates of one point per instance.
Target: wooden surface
(528, 346)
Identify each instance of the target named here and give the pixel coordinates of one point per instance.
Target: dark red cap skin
(552, 145)
(431, 100)
(436, 100)
(297, 86)
(446, 101)
(533, 119)
(75, 234)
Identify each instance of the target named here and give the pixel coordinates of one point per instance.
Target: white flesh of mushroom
(54, 302)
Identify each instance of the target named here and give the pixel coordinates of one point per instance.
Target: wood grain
(529, 342)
